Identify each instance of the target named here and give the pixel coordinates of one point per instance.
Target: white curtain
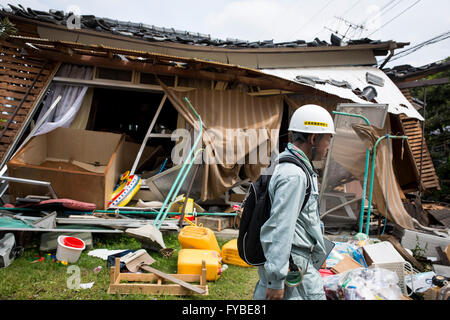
(71, 98)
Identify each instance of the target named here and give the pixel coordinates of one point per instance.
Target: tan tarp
(385, 184)
(230, 109)
(350, 153)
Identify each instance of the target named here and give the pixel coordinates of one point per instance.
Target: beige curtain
(244, 115)
(386, 188)
(350, 152)
(82, 117)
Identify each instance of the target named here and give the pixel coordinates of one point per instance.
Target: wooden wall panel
(18, 71)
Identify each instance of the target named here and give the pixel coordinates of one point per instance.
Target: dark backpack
(256, 211)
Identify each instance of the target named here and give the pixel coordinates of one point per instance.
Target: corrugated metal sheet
(345, 82)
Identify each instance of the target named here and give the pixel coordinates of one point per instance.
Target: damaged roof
(153, 33)
(363, 84)
(406, 71)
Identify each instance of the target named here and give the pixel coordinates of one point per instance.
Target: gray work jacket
(289, 231)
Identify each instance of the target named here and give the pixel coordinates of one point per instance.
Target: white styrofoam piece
(383, 252)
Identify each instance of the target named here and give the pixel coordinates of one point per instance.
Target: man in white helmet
(292, 236)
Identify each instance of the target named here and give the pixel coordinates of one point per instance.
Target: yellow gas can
(230, 254)
(195, 237)
(190, 262)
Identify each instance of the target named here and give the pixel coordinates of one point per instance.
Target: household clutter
(71, 184)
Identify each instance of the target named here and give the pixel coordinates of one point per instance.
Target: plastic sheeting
(71, 99)
(341, 81)
(386, 189)
(223, 110)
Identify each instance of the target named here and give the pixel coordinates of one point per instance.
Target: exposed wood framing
(413, 130)
(160, 64)
(22, 84)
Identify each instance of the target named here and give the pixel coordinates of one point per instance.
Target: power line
(316, 14)
(342, 16)
(385, 9)
(351, 8)
(395, 17)
(288, 8)
(413, 49)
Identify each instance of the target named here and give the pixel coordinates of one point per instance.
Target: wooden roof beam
(264, 81)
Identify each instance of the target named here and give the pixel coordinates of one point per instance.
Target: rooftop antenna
(351, 26)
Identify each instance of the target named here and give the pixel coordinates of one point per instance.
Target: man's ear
(312, 138)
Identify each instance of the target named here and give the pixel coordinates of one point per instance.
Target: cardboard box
(81, 165)
(347, 263)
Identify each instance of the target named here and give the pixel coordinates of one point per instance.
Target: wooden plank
(6, 139)
(25, 75)
(116, 278)
(22, 60)
(150, 277)
(10, 133)
(21, 67)
(18, 88)
(214, 223)
(16, 103)
(16, 118)
(9, 44)
(15, 95)
(173, 279)
(153, 289)
(11, 80)
(423, 83)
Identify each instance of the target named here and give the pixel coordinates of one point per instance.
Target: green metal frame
(366, 169)
(182, 174)
(374, 151)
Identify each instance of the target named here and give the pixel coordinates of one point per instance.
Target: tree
(437, 131)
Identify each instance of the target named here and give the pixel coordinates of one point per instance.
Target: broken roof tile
(154, 33)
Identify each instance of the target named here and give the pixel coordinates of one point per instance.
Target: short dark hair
(300, 136)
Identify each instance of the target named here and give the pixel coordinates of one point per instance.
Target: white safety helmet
(312, 118)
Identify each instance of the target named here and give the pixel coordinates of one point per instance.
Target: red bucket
(73, 242)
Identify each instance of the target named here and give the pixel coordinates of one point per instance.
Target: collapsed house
(120, 78)
(83, 105)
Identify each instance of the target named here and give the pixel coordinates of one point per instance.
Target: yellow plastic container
(189, 206)
(194, 237)
(230, 254)
(190, 262)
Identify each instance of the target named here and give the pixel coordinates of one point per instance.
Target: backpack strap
(291, 158)
(299, 163)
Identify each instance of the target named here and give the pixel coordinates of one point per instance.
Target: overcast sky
(413, 21)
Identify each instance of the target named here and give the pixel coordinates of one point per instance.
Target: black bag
(256, 211)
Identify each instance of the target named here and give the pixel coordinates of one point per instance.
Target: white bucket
(69, 254)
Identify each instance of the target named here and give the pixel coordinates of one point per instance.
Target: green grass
(46, 280)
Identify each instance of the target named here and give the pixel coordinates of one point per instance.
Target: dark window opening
(115, 74)
(149, 78)
(131, 113)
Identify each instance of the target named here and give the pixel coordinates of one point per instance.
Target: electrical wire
(315, 15)
(351, 8)
(355, 4)
(385, 9)
(413, 49)
(395, 17)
